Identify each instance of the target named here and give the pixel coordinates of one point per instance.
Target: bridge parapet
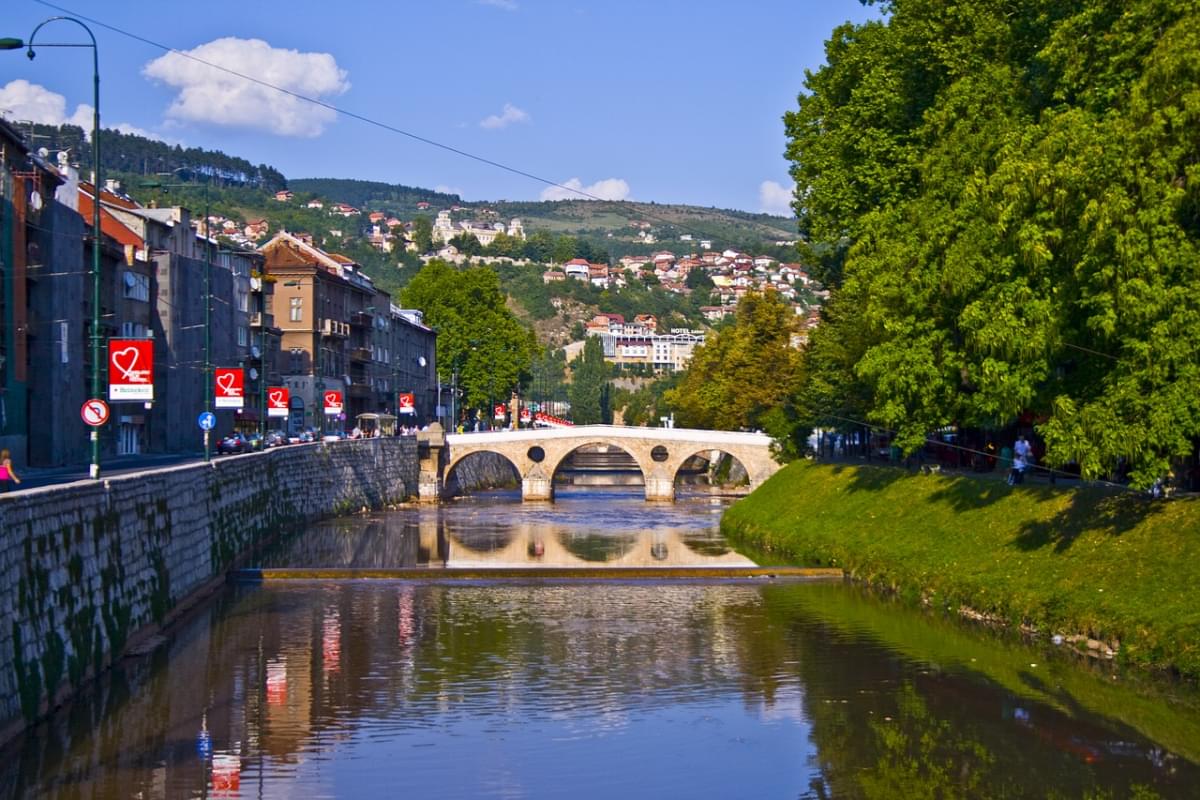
(659, 453)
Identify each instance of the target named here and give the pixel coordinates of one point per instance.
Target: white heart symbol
(126, 370)
(225, 381)
(277, 398)
(331, 399)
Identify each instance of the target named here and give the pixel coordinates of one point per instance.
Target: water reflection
(597, 529)
(733, 690)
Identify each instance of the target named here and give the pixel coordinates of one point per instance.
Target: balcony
(362, 319)
(362, 354)
(258, 319)
(333, 327)
(360, 391)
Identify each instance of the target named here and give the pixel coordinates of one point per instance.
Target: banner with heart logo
(278, 398)
(230, 386)
(131, 369)
(333, 403)
(406, 403)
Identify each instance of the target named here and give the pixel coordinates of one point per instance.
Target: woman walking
(8, 475)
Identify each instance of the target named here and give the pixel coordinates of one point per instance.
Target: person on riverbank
(8, 475)
(1016, 475)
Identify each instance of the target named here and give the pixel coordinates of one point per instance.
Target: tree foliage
(744, 375)
(1008, 200)
(478, 337)
(589, 391)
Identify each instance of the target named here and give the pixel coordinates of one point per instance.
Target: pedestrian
(8, 475)
(1017, 473)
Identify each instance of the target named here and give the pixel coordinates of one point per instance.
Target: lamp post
(207, 378)
(16, 44)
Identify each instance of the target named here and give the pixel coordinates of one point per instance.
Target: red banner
(229, 383)
(333, 403)
(499, 411)
(131, 369)
(406, 403)
(277, 401)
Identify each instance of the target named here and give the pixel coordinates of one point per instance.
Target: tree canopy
(1007, 200)
(742, 376)
(478, 337)
(589, 390)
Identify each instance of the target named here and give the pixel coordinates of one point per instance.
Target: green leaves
(478, 337)
(1014, 187)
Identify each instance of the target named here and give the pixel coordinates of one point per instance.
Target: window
(243, 336)
(297, 309)
(243, 299)
(136, 286)
(297, 360)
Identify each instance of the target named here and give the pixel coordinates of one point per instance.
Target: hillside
(619, 227)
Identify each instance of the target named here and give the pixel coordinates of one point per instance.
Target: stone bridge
(537, 454)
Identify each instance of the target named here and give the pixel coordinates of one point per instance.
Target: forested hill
(394, 197)
(130, 154)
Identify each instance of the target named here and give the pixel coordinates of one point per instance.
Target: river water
(527, 689)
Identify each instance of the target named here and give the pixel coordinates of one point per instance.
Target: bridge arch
(452, 480)
(681, 458)
(557, 456)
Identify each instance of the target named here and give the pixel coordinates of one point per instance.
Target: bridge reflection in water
(470, 533)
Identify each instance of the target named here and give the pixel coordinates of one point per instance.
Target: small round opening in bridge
(659, 453)
(536, 454)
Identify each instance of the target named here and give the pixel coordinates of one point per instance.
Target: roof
(110, 226)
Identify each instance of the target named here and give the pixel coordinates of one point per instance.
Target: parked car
(233, 443)
(275, 439)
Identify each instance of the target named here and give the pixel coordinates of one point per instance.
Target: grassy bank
(1116, 567)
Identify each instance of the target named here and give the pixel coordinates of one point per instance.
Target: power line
(365, 119)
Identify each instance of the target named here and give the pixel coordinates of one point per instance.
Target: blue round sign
(207, 420)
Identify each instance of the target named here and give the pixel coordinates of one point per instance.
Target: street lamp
(207, 379)
(17, 44)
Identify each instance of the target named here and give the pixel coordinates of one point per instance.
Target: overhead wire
(369, 120)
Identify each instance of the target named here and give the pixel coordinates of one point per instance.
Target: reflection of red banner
(276, 683)
(526, 415)
(226, 774)
(229, 383)
(333, 403)
(277, 401)
(406, 403)
(331, 642)
(131, 369)
(499, 411)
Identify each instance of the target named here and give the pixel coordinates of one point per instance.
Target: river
(530, 689)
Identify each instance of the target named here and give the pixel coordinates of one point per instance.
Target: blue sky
(664, 100)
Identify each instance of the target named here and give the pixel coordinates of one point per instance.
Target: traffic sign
(94, 412)
(207, 420)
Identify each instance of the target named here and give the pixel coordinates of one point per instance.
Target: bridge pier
(536, 485)
(660, 489)
(431, 455)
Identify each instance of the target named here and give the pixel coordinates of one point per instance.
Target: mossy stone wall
(85, 566)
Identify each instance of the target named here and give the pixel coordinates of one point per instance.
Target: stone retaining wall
(84, 567)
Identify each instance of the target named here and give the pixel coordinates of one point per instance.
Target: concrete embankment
(88, 568)
(1104, 571)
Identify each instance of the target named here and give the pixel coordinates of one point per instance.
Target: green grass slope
(1116, 567)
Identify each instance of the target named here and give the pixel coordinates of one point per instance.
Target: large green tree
(1007, 197)
(478, 337)
(744, 375)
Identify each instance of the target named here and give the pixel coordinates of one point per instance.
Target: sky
(673, 101)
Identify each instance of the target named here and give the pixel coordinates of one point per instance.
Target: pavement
(33, 477)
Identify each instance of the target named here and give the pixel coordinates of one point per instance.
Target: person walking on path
(1021, 453)
(8, 475)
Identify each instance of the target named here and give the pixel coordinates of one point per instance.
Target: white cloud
(573, 189)
(21, 100)
(775, 198)
(507, 117)
(507, 5)
(212, 96)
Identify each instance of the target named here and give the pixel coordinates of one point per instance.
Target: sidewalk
(33, 477)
